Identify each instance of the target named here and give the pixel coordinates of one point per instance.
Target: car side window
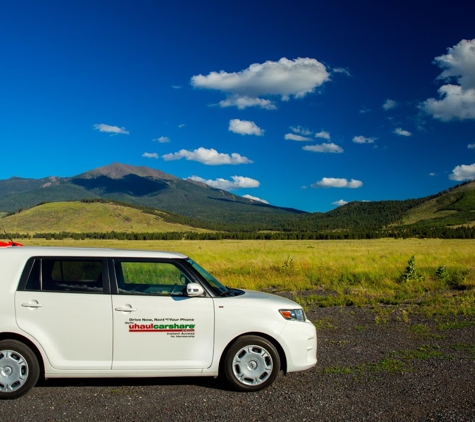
(66, 275)
(150, 278)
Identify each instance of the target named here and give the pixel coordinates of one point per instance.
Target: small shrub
(288, 263)
(411, 273)
(442, 274)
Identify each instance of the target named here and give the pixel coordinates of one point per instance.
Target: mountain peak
(119, 171)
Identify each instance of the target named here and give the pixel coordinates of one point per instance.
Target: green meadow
(434, 275)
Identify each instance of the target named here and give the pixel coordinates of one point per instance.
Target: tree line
(413, 232)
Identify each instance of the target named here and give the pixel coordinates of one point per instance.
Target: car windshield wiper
(227, 292)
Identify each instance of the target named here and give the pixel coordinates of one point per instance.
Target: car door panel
(155, 332)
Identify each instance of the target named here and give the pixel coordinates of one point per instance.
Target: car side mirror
(194, 290)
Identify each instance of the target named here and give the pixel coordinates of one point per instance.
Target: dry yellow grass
(310, 264)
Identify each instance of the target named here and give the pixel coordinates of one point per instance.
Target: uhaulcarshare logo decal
(161, 328)
(173, 327)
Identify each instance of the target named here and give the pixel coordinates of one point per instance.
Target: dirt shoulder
(389, 363)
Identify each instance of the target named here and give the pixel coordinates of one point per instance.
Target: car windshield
(215, 284)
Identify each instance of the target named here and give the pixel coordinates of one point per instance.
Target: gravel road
(374, 365)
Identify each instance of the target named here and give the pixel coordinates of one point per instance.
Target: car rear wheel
(19, 369)
(252, 363)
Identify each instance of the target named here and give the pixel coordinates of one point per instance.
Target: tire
(19, 369)
(252, 363)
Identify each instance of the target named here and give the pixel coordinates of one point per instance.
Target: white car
(77, 313)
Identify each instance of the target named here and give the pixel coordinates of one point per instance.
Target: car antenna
(10, 239)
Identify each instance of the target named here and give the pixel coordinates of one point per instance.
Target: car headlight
(293, 314)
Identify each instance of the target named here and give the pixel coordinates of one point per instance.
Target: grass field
(440, 277)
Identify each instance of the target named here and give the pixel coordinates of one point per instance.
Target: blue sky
(301, 104)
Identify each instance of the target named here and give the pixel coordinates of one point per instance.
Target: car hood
(275, 299)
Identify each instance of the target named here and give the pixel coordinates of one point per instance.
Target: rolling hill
(80, 217)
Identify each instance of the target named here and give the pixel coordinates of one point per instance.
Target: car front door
(156, 326)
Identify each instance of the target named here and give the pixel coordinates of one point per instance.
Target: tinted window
(152, 278)
(66, 275)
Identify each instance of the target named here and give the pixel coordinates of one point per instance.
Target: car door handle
(125, 309)
(33, 305)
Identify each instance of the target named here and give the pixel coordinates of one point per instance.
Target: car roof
(30, 251)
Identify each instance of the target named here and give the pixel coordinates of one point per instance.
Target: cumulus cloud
(471, 146)
(296, 137)
(363, 140)
(237, 182)
(331, 182)
(301, 130)
(340, 202)
(209, 157)
(389, 104)
(323, 134)
(115, 130)
(245, 127)
(285, 78)
(255, 198)
(456, 100)
(401, 132)
(150, 155)
(463, 172)
(329, 147)
(244, 102)
(162, 139)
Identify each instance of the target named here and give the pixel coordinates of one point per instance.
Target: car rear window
(66, 275)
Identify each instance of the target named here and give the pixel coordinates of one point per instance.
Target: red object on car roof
(9, 244)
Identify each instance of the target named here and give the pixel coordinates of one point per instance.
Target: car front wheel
(252, 363)
(19, 369)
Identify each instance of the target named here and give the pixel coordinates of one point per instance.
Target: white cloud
(463, 172)
(340, 202)
(245, 127)
(401, 132)
(244, 102)
(363, 140)
(162, 139)
(209, 157)
(341, 70)
(456, 101)
(389, 104)
(301, 130)
(285, 78)
(237, 182)
(255, 198)
(150, 155)
(432, 174)
(331, 147)
(331, 182)
(471, 146)
(115, 130)
(295, 137)
(323, 134)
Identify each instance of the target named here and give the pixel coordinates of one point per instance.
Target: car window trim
(106, 282)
